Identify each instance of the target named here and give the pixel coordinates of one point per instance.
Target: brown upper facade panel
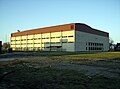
(85, 28)
(66, 27)
(58, 28)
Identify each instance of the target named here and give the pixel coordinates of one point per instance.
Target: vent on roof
(18, 30)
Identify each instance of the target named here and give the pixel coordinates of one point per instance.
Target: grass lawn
(97, 55)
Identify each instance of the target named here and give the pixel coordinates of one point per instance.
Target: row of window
(36, 48)
(42, 38)
(28, 48)
(94, 48)
(94, 44)
(43, 43)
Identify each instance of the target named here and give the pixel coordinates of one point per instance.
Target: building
(68, 37)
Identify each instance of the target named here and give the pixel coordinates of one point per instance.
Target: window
(92, 48)
(47, 42)
(64, 42)
(89, 48)
(58, 36)
(95, 44)
(23, 40)
(70, 42)
(64, 36)
(53, 42)
(52, 37)
(57, 42)
(47, 37)
(95, 48)
(48, 47)
(89, 43)
(70, 36)
(35, 38)
(43, 38)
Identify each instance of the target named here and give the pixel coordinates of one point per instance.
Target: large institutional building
(68, 37)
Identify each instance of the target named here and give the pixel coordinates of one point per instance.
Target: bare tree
(111, 45)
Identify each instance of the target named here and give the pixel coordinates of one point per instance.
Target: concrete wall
(91, 42)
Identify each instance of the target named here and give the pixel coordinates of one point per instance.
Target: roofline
(91, 27)
(64, 27)
(57, 28)
(86, 28)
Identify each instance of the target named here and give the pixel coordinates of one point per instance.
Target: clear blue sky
(28, 14)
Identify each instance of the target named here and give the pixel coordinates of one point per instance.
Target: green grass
(81, 55)
(98, 55)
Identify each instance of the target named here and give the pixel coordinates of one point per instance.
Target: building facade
(68, 37)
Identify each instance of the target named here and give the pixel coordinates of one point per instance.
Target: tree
(6, 45)
(111, 45)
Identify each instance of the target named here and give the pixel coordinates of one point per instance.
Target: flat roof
(58, 28)
(66, 27)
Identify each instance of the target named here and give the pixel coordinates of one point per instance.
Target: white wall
(83, 38)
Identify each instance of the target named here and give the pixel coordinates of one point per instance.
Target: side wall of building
(51, 41)
(91, 42)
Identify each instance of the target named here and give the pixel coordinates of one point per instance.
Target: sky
(29, 14)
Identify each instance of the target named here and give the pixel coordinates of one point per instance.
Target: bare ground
(109, 68)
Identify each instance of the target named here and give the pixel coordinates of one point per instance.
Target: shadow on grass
(25, 77)
(41, 53)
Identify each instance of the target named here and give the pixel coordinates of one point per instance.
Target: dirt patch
(59, 72)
